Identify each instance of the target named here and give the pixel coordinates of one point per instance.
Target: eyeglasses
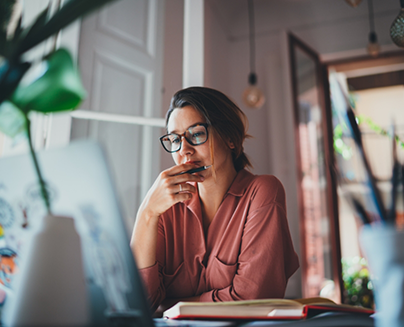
(195, 135)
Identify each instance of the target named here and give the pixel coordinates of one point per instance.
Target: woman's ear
(231, 145)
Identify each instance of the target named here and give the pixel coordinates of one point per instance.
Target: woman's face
(183, 118)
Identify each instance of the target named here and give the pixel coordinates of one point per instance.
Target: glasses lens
(197, 134)
(171, 142)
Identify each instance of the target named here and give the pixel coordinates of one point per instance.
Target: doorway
(376, 93)
(318, 220)
(328, 229)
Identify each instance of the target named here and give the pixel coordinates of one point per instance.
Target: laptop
(80, 186)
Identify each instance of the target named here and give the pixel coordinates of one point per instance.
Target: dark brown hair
(222, 114)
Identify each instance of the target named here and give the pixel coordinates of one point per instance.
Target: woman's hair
(221, 114)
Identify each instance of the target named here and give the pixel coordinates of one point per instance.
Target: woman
(220, 234)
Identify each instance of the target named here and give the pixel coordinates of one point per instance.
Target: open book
(260, 309)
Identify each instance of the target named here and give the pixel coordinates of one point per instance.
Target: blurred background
(134, 55)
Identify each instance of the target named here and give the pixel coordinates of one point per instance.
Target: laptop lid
(80, 186)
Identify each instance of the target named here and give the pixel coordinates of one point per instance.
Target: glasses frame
(183, 135)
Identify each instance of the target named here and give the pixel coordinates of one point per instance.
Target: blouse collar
(237, 188)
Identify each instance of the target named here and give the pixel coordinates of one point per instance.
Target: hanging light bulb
(397, 27)
(353, 3)
(252, 95)
(373, 47)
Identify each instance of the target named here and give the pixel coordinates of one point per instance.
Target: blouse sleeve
(267, 258)
(152, 277)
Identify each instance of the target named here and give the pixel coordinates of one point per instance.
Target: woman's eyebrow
(175, 132)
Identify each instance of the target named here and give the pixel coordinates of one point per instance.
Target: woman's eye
(198, 134)
(175, 140)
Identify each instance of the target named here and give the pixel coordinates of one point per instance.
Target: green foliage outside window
(358, 287)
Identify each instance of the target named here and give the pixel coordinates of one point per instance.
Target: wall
(331, 27)
(217, 52)
(172, 71)
(271, 148)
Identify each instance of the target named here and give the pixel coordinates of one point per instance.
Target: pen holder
(383, 247)
(51, 289)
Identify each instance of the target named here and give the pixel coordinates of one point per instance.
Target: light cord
(251, 21)
(371, 16)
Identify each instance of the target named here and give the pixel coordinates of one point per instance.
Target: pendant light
(353, 3)
(373, 47)
(252, 95)
(397, 27)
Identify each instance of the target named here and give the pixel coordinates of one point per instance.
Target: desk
(329, 319)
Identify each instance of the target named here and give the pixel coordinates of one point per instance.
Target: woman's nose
(186, 148)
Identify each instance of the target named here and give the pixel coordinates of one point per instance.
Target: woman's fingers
(171, 188)
(170, 179)
(180, 169)
(185, 187)
(187, 178)
(181, 197)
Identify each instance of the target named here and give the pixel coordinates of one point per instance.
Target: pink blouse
(247, 253)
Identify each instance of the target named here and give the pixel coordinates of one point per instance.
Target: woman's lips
(192, 163)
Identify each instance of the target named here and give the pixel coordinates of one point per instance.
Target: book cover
(266, 309)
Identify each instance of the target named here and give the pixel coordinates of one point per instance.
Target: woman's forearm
(170, 187)
(144, 239)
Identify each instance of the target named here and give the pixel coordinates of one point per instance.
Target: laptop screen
(80, 186)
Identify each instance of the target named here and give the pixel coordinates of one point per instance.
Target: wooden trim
(332, 182)
(332, 199)
(389, 58)
(376, 80)
(303, 252)
(117, 118)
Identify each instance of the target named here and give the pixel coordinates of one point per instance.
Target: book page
(262, 302)
(311, 300)
(285, 313)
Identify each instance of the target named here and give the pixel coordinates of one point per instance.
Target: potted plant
(59, 88)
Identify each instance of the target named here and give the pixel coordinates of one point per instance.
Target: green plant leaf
(3, 43)
(18, 29)
(58, 89)
(13, 40)
(12, 120)
(66, 15)
(10, 77)
(37, 25)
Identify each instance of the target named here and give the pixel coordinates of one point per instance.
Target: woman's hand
(169, 188)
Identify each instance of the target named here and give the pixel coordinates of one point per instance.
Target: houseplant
(58, 89)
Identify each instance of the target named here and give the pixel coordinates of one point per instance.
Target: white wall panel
(121, 59)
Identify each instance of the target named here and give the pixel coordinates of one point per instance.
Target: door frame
(324, 101)
(323, 67)
(359, 63)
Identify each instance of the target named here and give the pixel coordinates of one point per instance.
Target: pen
(195, 170)
(394, 179)
(356, 134)
(361, 212)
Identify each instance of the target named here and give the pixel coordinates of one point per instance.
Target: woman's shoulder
(266, 189)
(267, 180)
